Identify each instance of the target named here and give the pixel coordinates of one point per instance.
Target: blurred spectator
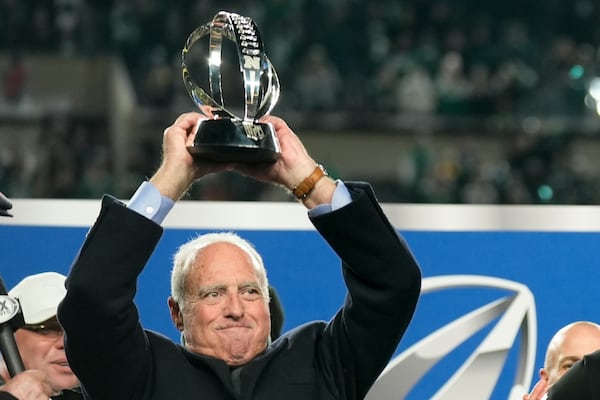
(452, 85)
(318, 82)
(14, 79)
(416, 92)
(158, 78)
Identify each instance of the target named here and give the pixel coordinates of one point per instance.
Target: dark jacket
(67, 395)
(6, 396)
(115, 358)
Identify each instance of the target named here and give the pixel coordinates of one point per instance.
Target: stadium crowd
(453, 60)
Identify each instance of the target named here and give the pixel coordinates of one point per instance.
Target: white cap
(39, 296)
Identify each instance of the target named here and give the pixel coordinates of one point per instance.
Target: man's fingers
(538, 392)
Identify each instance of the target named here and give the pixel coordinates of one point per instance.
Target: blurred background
(432, 101)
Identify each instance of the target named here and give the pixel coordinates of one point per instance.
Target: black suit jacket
(115, 358)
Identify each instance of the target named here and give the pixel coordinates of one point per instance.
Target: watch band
(302, 190)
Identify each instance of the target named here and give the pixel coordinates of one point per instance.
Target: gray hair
(185, 257)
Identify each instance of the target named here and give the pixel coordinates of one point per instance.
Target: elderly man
(569, 345)
(220, 299)
(40, 343)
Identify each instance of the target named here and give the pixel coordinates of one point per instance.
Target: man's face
(225, 314)
(578, 341)
(41, 347)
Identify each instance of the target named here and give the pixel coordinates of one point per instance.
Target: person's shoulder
(157, 338)
(592, 370)
(307, 331)
(591, 366)
(592, 358)
(297, 344)
(580, 381)
(69, 395)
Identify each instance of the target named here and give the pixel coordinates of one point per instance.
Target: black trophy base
(230, 140)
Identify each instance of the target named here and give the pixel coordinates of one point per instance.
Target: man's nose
(60, 339)
(234, 306)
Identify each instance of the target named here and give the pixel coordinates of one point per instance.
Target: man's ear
(175, 313)
(544, 374)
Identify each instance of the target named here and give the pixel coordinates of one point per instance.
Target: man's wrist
(340, 198)
(322, 193)
(304, 188)
(168, 185)
(149, 202)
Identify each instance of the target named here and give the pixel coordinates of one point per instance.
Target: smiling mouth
(233, 327)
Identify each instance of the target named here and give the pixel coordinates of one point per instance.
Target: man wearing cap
(40, 342)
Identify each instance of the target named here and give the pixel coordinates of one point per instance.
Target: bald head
(568, 346)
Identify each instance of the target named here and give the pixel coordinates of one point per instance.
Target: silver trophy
(224, 136)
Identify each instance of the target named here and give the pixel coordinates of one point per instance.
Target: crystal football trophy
(223, 136)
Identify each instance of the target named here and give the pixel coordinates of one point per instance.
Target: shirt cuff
(148, 202)
(340, 198)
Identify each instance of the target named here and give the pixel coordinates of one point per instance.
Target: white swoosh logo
(477, 376)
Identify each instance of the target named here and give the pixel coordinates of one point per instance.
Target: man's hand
(29, 385)
(292, 167)
(179, 169)
(538, 392)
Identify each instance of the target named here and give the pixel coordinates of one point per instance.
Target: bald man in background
(566, 347)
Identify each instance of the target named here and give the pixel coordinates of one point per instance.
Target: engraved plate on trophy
(224, 136)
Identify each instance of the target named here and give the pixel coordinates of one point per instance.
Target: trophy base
(229, 140)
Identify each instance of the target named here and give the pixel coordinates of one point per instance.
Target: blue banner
(489, 293)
